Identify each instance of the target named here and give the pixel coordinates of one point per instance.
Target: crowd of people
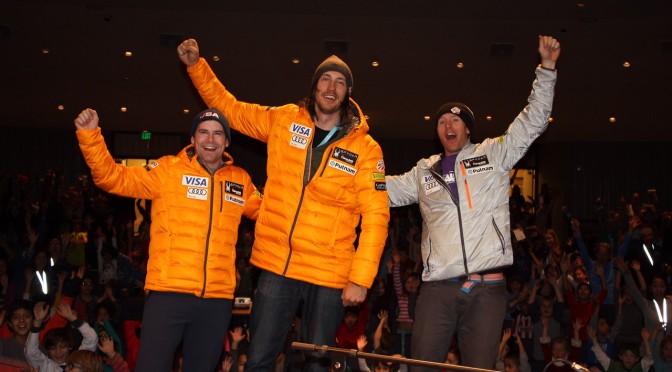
(590, 299)
(445, 263)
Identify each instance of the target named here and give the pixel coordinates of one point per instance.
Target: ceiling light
(550, 119)
(626, 64)
(580, 5)
(215, 58)
(123, 109)
(427, 117)
(61, 107)
(186, 111)
(296, 61)
(460, 65)
(45, 51)
(128, 54)
(612, 119)
(375, 64)
(488, 118)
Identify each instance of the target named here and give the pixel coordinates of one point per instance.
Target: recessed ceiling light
(612, 119)
(123, 109)
(427, 117)
(45, 51)
(215, 58)
(550, 120)
(128, 54)
(375, 64)
(460, 65)
(296, 61)
(488, 118)
(186, 111)
(580, 5)
(626, 64)
(61, 107)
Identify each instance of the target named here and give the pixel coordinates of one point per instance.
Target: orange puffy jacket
(195, 215)
(306, 228)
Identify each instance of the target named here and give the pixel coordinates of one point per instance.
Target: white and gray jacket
(474, 235)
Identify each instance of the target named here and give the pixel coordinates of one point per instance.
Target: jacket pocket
(500, 236)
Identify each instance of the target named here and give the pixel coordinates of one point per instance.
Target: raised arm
(549, 51)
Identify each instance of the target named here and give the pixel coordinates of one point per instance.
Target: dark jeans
(477, 317)
(169, 318)
(275, 303)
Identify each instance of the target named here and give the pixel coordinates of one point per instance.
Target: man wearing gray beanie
(325, 175)
(463, 195)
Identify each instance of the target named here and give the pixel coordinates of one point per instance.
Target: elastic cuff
(77, 323)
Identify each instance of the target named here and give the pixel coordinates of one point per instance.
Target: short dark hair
(59, 335)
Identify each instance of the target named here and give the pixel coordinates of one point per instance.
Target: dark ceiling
(418, 45)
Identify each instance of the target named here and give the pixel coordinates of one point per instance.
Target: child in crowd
(84, 361)
(58, 342)
(19, 317)
(662, 352)
(581, 304)
(628, 355)
(509, 359)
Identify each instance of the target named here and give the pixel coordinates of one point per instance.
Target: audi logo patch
(197, 193)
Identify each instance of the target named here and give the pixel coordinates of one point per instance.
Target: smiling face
(210, 140)
(59, 352)
(453, 133)
(20, 322)
(330, 92)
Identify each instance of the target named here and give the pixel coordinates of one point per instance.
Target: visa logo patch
(194, 181)
(233, 188)
(300, 129)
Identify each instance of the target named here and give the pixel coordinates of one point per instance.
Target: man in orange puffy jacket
(325, 175)
(198, 198)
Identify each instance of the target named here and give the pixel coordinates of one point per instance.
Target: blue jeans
(477, 317)
(275, 303)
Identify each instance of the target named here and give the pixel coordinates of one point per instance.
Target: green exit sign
(146, 136)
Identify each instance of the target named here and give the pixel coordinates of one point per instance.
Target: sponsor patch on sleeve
(151, 165)
(233, 188)
(381, 186)
(378, 176)
(381, 165)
